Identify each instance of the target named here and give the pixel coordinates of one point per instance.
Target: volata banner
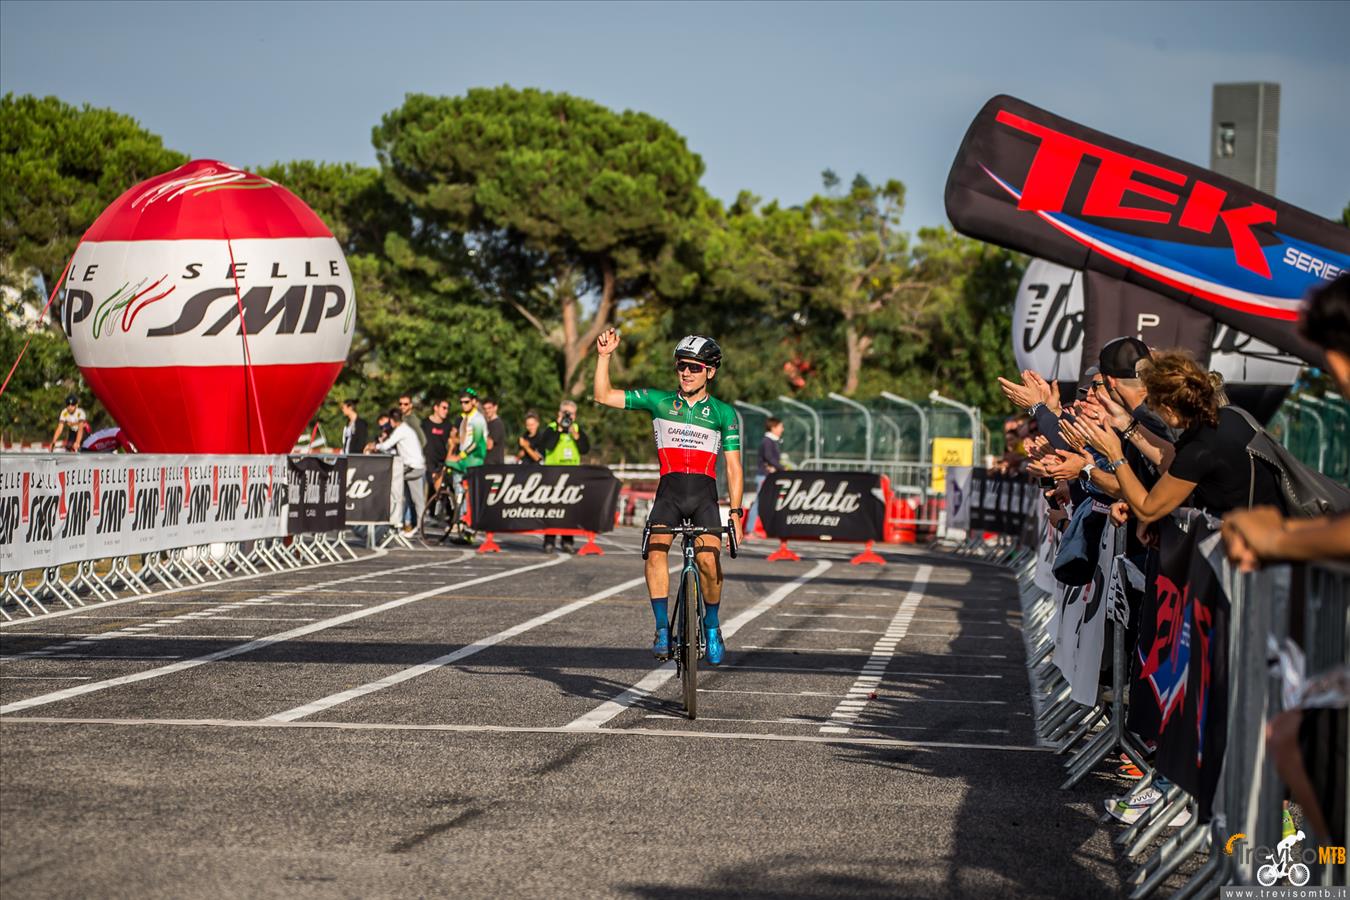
(317, 493)
(1032, 181)
(534, 498)
(1048, 321)
(370, 496)
(841, 506)
(62, 508)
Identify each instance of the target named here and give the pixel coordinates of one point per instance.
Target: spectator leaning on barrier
(1208, 467)
(1261, 534)
(1308, 743)
(496, 433)
(531, 441)
(355, 431)
(405, 405)
(403, 441)
(72, 417)
(564, 442)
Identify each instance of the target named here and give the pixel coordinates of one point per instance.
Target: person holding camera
(563, 444)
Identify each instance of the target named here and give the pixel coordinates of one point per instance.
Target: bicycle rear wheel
(689, 641)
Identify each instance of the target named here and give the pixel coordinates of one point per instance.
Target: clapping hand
(1102, 437)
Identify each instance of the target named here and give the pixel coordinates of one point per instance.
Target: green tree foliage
(503, 229)
(60, 166)
(550, 197)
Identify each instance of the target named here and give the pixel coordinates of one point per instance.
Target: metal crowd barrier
(1310, 604)
(34, 592)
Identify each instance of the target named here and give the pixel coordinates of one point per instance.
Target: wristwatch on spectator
(739, 511)
(1113, 465)
(1086, 474)
(1031, 410)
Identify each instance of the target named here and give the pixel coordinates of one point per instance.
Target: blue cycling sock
(710, 616)
(659, 611)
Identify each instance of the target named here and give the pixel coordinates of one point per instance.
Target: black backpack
(1306, 492)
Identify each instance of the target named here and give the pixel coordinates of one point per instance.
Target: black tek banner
(843, 506)
(533, 498)
(315, 493)
(1184, 672)
(1032, 181)
(370, 486)
(999, 504)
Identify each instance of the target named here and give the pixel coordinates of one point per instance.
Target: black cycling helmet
(700, 349)
(72, 400)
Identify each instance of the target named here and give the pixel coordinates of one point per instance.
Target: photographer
(563, 444)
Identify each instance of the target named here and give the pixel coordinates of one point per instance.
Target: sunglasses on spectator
(693, 367)
(465, 400)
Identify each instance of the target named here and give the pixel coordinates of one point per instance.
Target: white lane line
(884, 652)
(828, 616)
(56, 696)
(48, 677)
(793, 720)
(838, 670)
(809, 629)
(857, 593)
(377, 554)
(860, 650)
(669, 734)
(660, 675)
(477, 646)
(43, 652)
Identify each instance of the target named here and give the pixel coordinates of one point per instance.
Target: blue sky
(769, 94)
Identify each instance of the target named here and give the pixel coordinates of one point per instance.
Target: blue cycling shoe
(661, 644)
(715, 646)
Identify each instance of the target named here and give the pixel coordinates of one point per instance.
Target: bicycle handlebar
(689, 531)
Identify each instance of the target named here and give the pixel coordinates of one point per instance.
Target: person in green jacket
(564, 444)
(470, 453)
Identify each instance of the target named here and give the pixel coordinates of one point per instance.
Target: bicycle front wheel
(689, 643)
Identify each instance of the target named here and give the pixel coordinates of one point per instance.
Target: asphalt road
(441, 723)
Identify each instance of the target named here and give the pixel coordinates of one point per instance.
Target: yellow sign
(949, 452)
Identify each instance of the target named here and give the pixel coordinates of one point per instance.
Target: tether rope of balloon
(56, 289)
(248, 356)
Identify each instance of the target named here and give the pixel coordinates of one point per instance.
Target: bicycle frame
(688, 637)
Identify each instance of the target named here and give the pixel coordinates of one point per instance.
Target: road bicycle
(443, 518)
(688, 639)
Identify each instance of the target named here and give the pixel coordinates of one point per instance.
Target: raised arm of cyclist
(691, 428)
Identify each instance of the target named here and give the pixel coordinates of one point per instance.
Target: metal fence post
(923, 421)
(970, 411)
(867, 421)
(815, 419)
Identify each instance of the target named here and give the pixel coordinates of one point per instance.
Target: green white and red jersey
(688, 435)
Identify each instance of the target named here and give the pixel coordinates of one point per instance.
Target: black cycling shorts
(681, 496)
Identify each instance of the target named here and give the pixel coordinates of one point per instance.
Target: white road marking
(884, 652)
(796, 720)
(660, 733)
(839, 670)
(50, 677)
(807, 629)
(658, 676)
(259, 643)
(377, 554)
(477, 646)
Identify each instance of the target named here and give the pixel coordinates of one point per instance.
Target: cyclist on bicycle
(469, 453)
(691, 427)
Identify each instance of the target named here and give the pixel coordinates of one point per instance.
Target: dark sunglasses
(693, 367)
(466, 400)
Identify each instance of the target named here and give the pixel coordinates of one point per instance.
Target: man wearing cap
(72, 417)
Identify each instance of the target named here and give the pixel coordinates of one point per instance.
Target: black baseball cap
(1119, 357)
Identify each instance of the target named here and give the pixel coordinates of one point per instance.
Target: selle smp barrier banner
(839, 506)
(62, 508)
(1032, 181)
(535, 498)
(370, 498)
(318, 493)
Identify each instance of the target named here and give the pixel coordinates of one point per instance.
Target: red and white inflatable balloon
(153, 301)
